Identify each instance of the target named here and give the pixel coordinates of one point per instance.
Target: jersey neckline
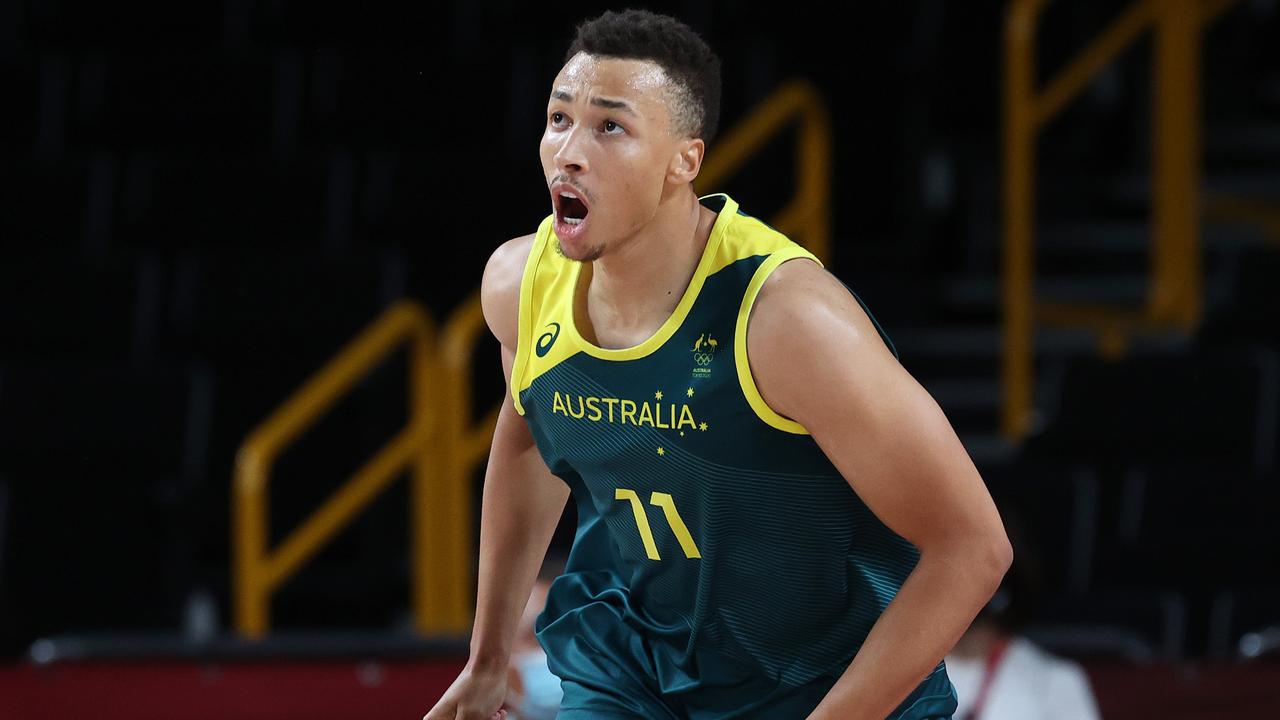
(676, 319)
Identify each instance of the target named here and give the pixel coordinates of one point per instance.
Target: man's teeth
(572, 220)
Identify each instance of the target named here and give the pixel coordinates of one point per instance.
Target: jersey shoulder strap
(546, 297)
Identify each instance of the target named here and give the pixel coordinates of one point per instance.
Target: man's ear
(687, 161)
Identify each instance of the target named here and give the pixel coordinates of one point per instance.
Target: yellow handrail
(807, 216)
(259, 570)
(464, 444)
(1174, 291)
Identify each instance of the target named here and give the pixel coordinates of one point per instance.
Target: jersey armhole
(524, 317)
(748, 384)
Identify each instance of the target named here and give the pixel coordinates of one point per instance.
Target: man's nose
(571, 158)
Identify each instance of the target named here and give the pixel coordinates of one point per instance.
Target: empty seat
(1191, 526)
(251, 308)
(68, 309)
(1245, 623)
(1140, 626)
(98, 461)
(1143, 409)
(1050, 512)
(1249, 316)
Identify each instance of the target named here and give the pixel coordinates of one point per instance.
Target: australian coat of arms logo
(704, 350)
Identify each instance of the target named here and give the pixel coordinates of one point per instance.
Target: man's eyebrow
(612, 105)
(598, 102)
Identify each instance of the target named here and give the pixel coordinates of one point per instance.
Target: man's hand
(475, 695)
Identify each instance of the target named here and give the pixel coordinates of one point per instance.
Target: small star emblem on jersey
(702, 427)
(689, 392)
(662, 451)
(657, 395)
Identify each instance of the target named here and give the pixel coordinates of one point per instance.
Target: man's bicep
(899, 453)
(877, 425)
(514, 456)
(512, 429)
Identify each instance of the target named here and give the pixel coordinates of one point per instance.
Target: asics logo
(547, 339)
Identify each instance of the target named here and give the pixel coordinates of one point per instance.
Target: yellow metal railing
(1174, 290)
(463, 445)
(260, 570)
(806, 218)
(443, 443)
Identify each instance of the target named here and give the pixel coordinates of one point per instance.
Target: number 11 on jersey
(668, 505)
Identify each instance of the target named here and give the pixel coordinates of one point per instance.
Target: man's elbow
(997, 557)
(986, 558)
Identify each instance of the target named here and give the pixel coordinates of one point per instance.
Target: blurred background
(242, 241)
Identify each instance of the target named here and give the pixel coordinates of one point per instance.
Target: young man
(774, 519)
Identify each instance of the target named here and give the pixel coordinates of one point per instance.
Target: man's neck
(634, 288)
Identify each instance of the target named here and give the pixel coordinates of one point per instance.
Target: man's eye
(611, 127)
(557, 118)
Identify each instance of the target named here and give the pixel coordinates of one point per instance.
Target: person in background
(1000, 674)
(533, 693)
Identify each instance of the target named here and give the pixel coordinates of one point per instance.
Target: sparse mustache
(564, 179)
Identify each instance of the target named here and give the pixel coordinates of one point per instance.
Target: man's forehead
(587, 76)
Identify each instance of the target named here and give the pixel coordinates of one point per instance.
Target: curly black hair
(690, 65)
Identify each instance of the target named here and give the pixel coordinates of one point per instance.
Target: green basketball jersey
(720, 559)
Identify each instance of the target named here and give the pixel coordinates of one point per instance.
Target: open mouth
(571, 208)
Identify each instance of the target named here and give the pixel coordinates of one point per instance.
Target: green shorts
(623, 697)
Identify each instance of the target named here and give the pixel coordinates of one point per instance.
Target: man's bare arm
(522, 500)
(894, 446)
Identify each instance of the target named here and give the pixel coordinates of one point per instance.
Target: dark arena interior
(246, 392)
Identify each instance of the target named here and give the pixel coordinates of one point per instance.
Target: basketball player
(774, 519)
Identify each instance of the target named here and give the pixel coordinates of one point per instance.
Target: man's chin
(579, 253)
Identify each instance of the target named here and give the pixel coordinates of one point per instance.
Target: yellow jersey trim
(524, 321)
(750, 237)
(545, 299)
(549, 285)
(748, 383)
(726, 215)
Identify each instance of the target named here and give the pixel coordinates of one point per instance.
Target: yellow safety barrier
(443, 443)
(260, 570)
(464, 443)
(807, 217)
(1174, 291)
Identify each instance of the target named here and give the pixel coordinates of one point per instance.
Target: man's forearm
(936, 603)
(520, 508)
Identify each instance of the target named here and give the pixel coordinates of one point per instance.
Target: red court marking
(401, 690)
(240, 690)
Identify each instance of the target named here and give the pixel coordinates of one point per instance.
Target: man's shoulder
(506, 263)
(500, 287)
(800, 287)
(801, 305)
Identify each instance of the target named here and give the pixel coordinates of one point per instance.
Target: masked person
(533, 693)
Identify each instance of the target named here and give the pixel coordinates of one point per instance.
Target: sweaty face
(605, 151)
